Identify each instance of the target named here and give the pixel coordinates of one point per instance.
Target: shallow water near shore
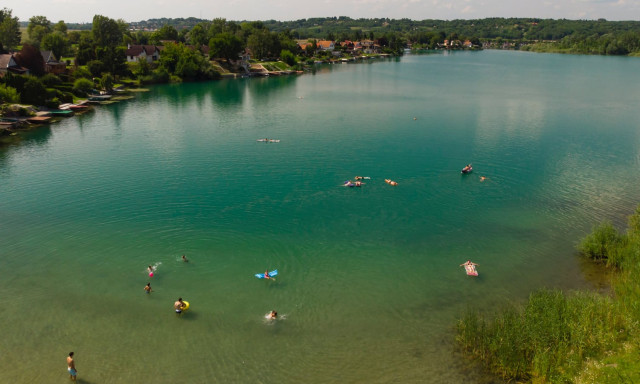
(369, 284)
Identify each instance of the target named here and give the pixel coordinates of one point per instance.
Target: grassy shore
(557, 337)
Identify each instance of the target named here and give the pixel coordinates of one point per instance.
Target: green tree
(61, 27)
(287, 57)
(106, 32)
(38, 27)
(9, 29)
(107, 82)
(167, 32)
(57, 43)
(225, 45)
(198, 36)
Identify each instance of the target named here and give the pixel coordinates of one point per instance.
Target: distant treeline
(548, 35)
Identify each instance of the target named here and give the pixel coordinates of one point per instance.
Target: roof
(4, 60)
(47, 56)
(136, 50)
(324, 43)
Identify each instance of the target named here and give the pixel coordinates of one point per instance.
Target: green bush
(82, 73)
(8, 94)
(599, 243)
(82, 87)
(34, 92)
(50, 80)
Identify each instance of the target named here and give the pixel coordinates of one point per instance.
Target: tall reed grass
(550, 337)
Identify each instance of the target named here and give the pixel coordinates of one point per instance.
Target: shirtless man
(179, 306)
(147, 288)
(71, 367)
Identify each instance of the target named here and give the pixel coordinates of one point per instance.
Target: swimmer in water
(272, 315)
(150, 269)
(184, 259)
(147, 288)
(483, 178)
(266, 274)
(179, 306)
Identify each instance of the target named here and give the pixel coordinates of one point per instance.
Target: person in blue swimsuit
(71, 367)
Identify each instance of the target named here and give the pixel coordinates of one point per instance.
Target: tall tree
(61, 27)
(57, 43)
(225, 45)
(106, 32)
(9, 29)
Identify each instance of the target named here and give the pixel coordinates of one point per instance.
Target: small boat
(467, 169)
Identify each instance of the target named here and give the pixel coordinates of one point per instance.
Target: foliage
(106, 32)
(287, 57)
(601, 243)
(548, 339)
(61, 27)
(9, 29)
(82, 73)
(34, 92)
(167, 32)
(30, 58)
(225, 45)
(8, 94)
(57, 43)
(553, 338)
(50, 80)
(38, 28)
(82, 86)
(107, 82)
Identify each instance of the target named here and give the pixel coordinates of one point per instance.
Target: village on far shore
(49, 71)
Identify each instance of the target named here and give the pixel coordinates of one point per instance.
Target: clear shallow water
(369, 282)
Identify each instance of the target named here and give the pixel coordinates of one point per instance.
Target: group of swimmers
(180, 306)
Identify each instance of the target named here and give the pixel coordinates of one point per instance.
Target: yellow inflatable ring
(186, 305)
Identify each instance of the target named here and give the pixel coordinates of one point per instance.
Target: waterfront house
(325, 45)
(51, 65)
(150, 53)
(8, 64)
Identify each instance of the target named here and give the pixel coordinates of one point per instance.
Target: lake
(369, 285)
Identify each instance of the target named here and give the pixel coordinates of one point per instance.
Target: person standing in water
(71, 367)
(179, 306)
(147, 288)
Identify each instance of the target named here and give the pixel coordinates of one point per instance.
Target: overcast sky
(74, 11)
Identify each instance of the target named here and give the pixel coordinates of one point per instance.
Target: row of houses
(10, 62)
(350, 47)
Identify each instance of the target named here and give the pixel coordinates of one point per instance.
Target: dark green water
(369, 285)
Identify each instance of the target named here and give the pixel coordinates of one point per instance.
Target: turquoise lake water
(369, 283)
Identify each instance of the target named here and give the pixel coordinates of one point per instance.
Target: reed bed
(549, 339)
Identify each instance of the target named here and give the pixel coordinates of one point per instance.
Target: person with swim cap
(71, 367)
(179, 305)
(147, 288)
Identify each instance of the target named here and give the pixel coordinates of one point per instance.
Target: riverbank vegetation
(558, 337)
